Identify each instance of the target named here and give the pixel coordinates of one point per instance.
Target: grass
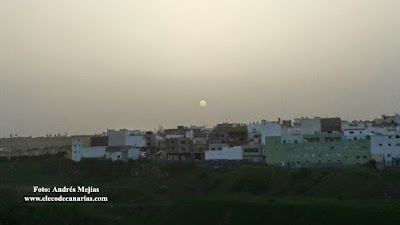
(145, 193)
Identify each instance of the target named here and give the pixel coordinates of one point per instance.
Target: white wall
(360, 130)
(385, 147)
(133, 153)
(233, 153)
(79, 152)
(355, 130)
(135, 141)
(309, 125)
(266, 129)
(291, 131)
(125, 138)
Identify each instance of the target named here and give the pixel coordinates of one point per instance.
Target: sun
(203, 104)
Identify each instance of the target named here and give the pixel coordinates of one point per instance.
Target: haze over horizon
(85, 66)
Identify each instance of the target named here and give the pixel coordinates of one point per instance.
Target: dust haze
(84, 66)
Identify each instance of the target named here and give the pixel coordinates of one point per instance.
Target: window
(388, 155)
(183, 142)
(380, 144)
(364, 156)
(397, 136)
(390, 144)
(398, 144)
(357, 157)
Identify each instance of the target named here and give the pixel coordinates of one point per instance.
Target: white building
(263, 130)
(227, 153)
(126, 138)
(359, 130)
(123, 154)
(81, 149)
(308, 125)
(356, 130)
(291, 131)
(386, 149)
(388, 119)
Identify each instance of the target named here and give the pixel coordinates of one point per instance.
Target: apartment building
(316, 150)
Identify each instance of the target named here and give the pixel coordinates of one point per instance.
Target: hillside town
(304, 142)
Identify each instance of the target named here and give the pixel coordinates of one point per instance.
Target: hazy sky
(80, 66)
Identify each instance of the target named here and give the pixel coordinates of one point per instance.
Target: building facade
(385, 149)
(253, 153)
(308, 125)
(317, 150)
(179, 149)
(227, 153)
(259, 131)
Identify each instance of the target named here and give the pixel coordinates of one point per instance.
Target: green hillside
(177, 193)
